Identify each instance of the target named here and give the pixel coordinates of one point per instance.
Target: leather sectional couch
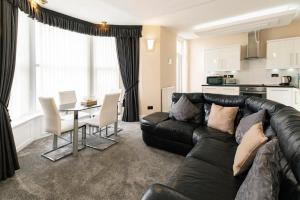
(206, 172)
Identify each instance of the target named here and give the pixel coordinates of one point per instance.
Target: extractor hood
(254, 45)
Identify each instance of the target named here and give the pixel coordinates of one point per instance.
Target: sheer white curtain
(63, 60)
(106, 67)
(19, 104)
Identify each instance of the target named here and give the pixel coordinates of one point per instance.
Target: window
(20, 101)
(50, 60)
(62, 61)
(106, 67)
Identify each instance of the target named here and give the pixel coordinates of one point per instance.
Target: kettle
(286, 80)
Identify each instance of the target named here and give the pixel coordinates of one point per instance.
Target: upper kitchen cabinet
(283, 53)
(226, 58)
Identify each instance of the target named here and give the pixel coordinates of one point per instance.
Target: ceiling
(181, 15)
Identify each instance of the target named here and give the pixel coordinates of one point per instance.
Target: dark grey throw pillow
(263, 178)
(183, 109)
(247, 122)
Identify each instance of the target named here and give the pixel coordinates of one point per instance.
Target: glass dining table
(76, 108)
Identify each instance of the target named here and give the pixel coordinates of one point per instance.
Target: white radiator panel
(166, 98)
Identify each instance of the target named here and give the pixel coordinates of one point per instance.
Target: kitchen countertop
(251, 85)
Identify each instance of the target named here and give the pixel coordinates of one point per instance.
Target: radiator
(166, 98)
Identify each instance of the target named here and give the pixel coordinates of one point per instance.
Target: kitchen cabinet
(227, 58)
(286, 96)
(221, 90)
(283, 53)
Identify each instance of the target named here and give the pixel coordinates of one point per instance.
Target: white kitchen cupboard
(221, 90)
(283, 53)
(226, 58)
(286, 96)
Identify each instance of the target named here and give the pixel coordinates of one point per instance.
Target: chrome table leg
(75, 135)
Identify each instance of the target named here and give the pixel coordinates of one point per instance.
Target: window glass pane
(106, 67)
(63, 61)
(19, 104)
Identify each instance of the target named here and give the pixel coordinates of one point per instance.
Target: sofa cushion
(246, 151)
(215, 151)
(264, 175)
(176, 131)
(247, 122)
(222, 118)
(183, 109)
(198, 179)
(207, 132)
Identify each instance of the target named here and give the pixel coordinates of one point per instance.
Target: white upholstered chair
(108, 115)
(56, 126)
(69, 97)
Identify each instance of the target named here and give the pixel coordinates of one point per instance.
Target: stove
(254, 90)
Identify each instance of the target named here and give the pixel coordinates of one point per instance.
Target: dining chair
(108, 115)
(69, 97)
(120, 105)
(58, 127)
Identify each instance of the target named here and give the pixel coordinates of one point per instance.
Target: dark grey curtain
(59, 20)
(128, 55)
(8, 40)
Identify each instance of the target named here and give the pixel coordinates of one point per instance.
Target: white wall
(28, 131)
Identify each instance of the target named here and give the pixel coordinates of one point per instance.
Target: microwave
(215, 80)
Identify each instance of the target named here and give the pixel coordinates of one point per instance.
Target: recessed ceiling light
(240, 18)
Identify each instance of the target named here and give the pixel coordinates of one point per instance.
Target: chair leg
(71, 136)
(116, 128)
(84, 135)
(55, 138)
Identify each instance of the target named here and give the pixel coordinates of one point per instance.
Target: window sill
(25, 119)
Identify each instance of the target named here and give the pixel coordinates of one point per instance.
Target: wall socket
(150, 107)
(274, 75)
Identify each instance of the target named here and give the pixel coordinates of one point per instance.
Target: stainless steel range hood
(254, 45)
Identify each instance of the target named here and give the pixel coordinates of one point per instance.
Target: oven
(253, 91)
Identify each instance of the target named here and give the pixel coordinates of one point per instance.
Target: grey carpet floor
(124, 171)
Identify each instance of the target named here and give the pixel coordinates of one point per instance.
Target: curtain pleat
(56, 19)
(8, 40)
(128, 55)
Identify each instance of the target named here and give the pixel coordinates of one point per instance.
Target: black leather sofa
(206, 173)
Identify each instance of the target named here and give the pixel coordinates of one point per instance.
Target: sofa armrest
(162, 192)
(155, 118)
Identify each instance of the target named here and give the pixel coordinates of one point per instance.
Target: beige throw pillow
(246, 151)
(222, 118)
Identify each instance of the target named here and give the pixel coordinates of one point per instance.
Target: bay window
(50, 60)
(106, 67)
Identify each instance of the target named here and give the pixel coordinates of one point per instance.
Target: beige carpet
(124, 171)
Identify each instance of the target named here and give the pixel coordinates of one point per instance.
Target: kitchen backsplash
(255, 72)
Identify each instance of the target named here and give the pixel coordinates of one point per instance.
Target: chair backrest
(67, 97)
(52, 117)
(109, 109)
(120, 103)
